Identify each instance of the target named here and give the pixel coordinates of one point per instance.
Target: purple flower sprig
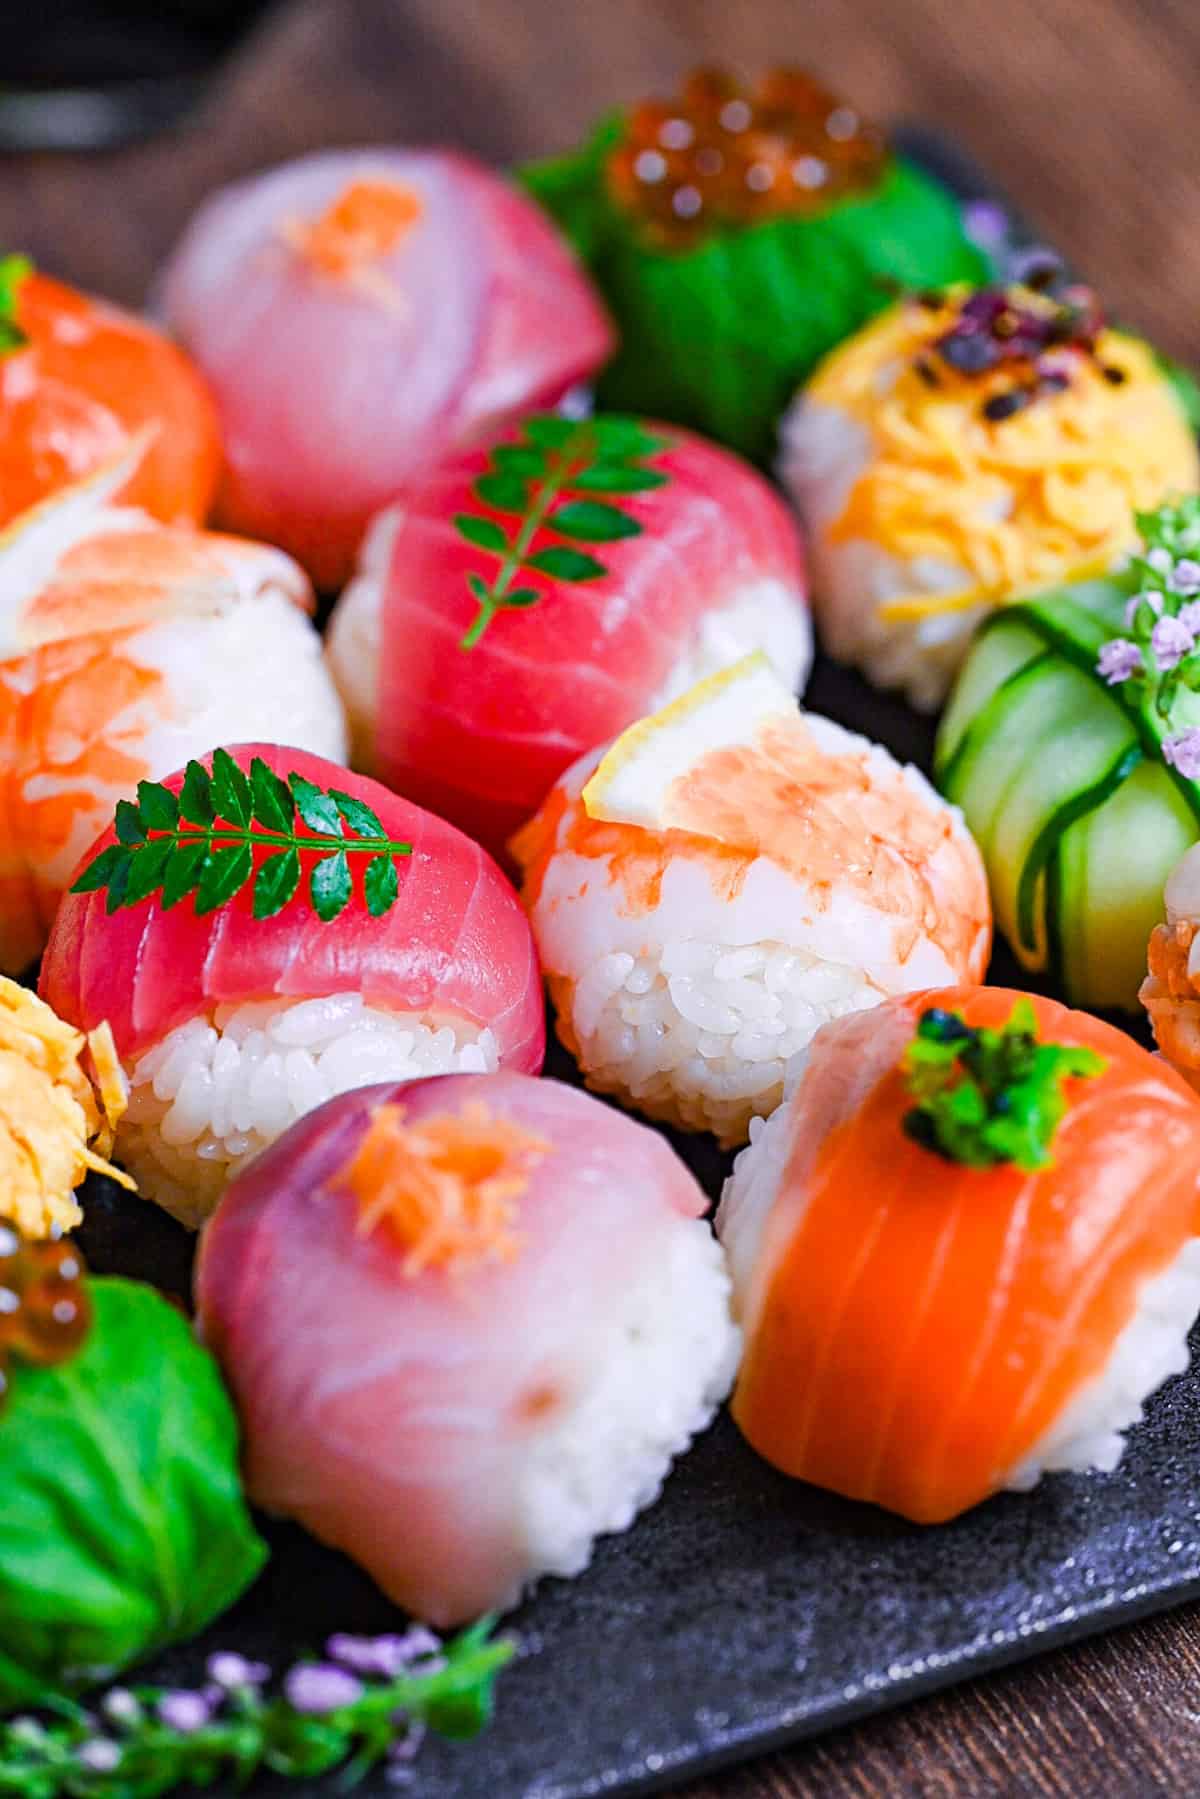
(370, 1701)
(1160, 650)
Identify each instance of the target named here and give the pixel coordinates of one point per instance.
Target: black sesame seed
(1003, 406)
(1116, 377)
(927, 372)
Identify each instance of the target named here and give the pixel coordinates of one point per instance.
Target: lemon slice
(634, 781)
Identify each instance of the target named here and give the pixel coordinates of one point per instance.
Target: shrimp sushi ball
(526, 603)
(1171, 990)
(966, 448)
(443, 1417)
(360, 315)
(728, 876)
(127, 646)
(964, 1250)
(80, 380)
(264, 931)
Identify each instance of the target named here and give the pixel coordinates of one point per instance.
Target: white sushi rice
(701, 1033)
(664, 1363)
(253, 672)
(1089, 1431)
(217, 1090)
(695, 1008)
(1088, 1434)
(762, 615)
(823, 453)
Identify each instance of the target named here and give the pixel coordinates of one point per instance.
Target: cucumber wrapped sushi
(738, 233)
(1071, 744)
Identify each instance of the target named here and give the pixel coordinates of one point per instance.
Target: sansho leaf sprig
(202, 840)
(545, 481)
(142, 1742)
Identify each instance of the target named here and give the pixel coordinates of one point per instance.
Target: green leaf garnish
(13, 271)
(203, 844)
(533, 483)
(986, 1097)
(132, 1748)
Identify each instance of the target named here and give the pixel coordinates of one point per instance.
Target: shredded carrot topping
(363, 224)
(445, 1188)
(56, 1120)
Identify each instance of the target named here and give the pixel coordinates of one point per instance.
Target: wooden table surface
(1085, 110)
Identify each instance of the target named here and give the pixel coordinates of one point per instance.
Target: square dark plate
(744, 1611)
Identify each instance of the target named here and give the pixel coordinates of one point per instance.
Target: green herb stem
(987, 1097)
(559, 468)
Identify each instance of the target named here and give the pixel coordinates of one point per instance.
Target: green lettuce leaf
(720, 336)
(124, 1525)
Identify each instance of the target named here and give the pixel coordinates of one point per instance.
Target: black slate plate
(743, 1611)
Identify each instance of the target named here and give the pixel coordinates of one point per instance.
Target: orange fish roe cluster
(444, 1188)
(363, 224)
(45, 1312)
(723, 154)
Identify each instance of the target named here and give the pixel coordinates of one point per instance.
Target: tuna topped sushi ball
(443, 1416)
(126, 647)
(529, 601)
(730, 875)
(361, 314)
(274, 932)
(964, 1250)
(966, 448)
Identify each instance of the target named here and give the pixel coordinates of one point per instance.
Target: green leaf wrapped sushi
(738, 234)
(1072, 745)
(125, 1528)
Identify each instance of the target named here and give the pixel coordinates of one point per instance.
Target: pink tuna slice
(399, 1423)
(336, 390)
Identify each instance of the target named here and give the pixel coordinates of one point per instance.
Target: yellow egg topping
(56, 1120)
(1022, 471)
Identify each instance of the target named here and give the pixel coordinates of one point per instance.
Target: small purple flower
(1189, 617)
(1035, 263)
(183, 1711)
(1183, 753)
(121, 1707)
(1118, 660)
(1146, 598)
(318, 1687)
(99, 1756)
(229, 1671)
(1171, 641)
(404, 1752)
(387, 1656)
(1185, 577)
(985, 223)
(1160, 560)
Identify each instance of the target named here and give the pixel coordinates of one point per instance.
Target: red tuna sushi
(531, 599)
(231, 1026)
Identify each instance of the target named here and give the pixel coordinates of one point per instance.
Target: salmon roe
(45, 1312)
(723, 154)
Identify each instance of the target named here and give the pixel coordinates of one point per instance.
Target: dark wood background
(1087, 112)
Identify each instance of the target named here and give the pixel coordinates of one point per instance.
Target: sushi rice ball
(359, 315)
(728, 876)
(231, 1026)
(965, 448)
(443, 1416)
(127, 647)
(933, 1310)
(477, 715)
